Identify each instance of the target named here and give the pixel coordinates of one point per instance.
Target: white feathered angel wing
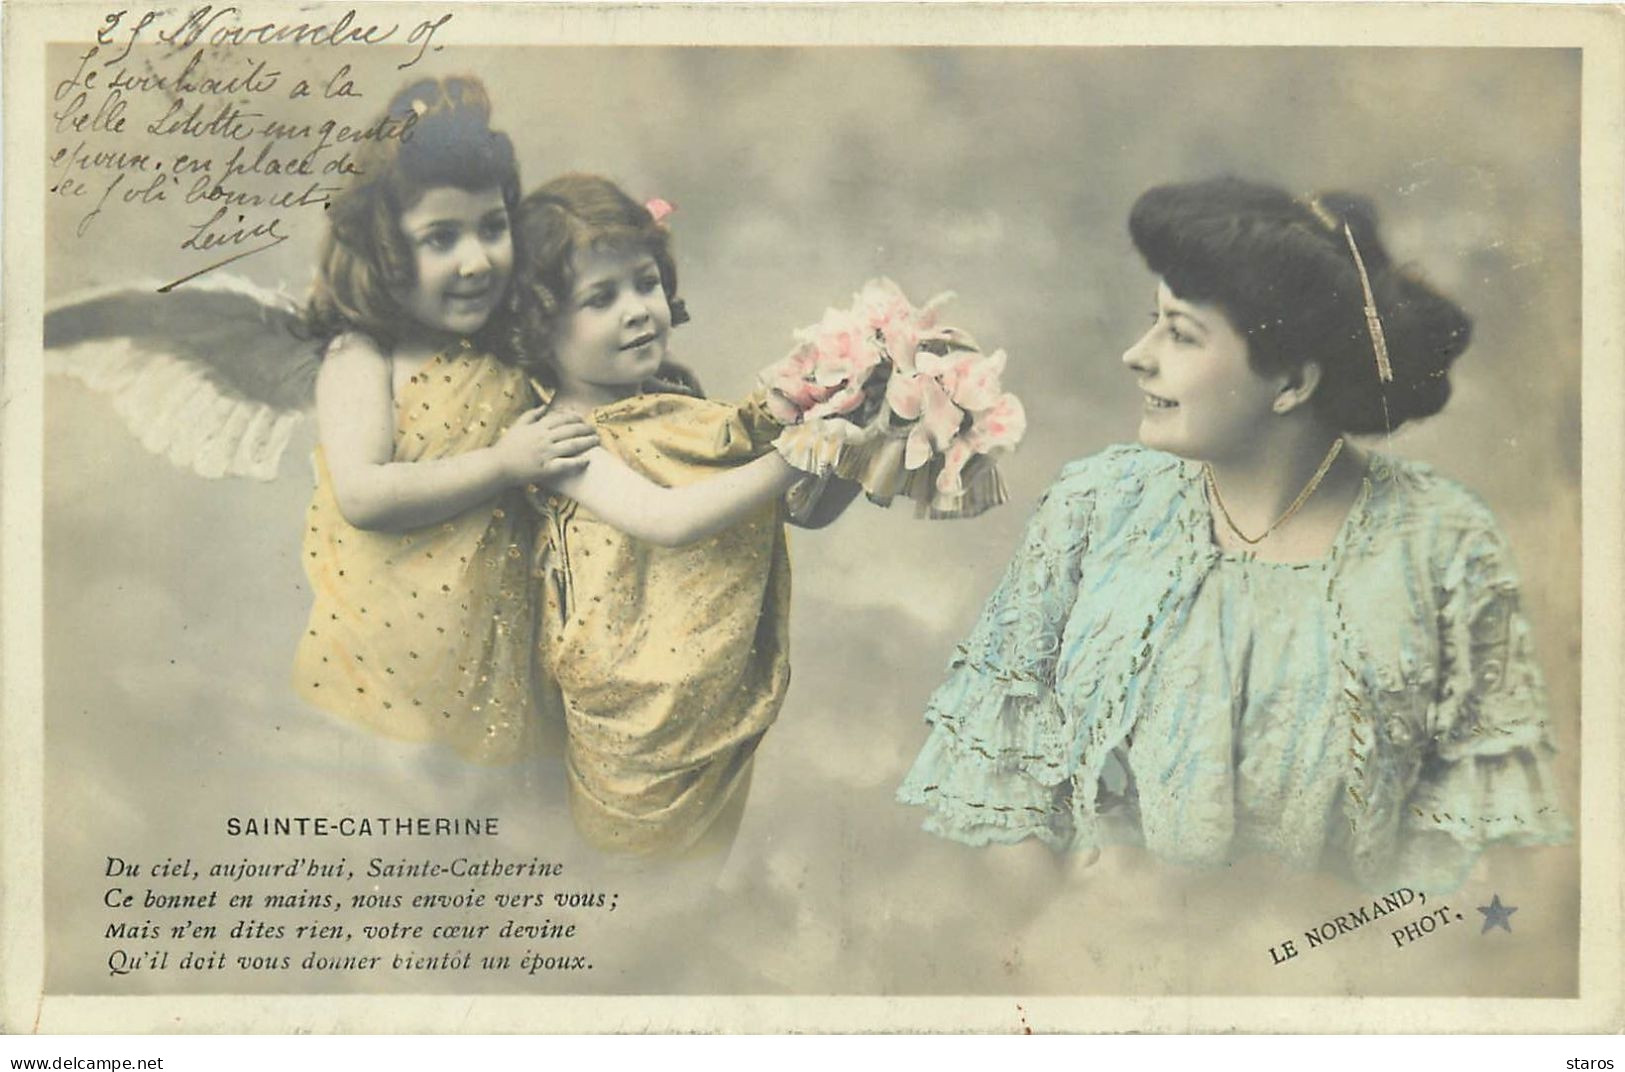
(214, 376)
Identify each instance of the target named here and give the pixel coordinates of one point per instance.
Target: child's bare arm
(355, 411)
(672, 517)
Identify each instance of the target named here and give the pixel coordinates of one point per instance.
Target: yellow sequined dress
(673, 662)
(428, 634)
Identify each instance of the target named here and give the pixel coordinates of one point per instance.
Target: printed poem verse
(299, 916)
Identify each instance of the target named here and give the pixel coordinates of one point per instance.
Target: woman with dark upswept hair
(1247, 634)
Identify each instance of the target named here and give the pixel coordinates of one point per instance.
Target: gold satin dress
(427, 635)
(672, 662)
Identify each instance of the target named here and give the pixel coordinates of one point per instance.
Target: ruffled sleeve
(1486, 777)
(994, 764)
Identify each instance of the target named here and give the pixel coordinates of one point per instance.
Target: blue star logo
(1496, 914)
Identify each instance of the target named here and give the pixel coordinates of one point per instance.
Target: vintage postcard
(854, 517)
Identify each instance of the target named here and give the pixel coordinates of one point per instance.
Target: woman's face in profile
(1202, 398)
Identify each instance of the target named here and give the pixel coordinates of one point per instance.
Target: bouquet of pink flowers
(881, 394)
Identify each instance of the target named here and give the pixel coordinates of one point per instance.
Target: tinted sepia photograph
(1117, 508)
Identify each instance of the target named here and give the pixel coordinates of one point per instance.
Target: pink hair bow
(659, 209)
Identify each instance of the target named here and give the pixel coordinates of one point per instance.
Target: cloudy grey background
(1006, 175)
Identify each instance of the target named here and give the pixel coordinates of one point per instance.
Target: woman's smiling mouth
(641, 341)
(1157, 402)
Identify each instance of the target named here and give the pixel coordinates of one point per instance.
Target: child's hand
(816, 446)
(543, 445)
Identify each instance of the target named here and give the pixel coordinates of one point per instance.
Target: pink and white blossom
(943, 397)
(999, 427)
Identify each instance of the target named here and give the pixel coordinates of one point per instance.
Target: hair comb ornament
(1323, 214)
(1373, 322)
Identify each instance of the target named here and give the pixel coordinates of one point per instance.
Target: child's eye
(599, 299)
(493, 229)
(647, 283)
(440, 241)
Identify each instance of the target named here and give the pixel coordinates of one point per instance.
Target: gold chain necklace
(1303, 496)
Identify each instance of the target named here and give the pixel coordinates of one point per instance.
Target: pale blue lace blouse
(1376, 712)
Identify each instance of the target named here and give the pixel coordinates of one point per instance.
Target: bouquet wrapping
(881, 394)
